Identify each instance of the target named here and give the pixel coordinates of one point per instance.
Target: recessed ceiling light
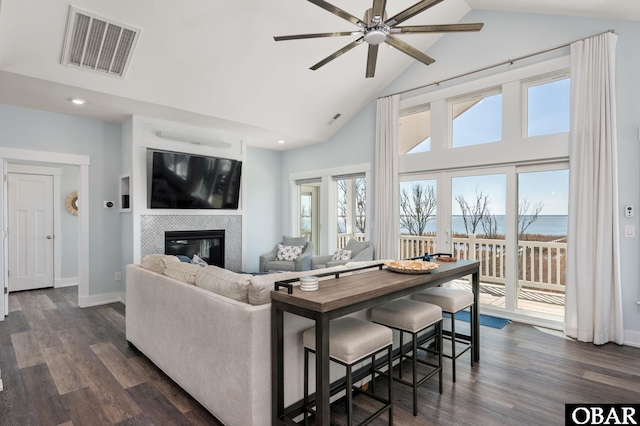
(78, 101)
(280, 141)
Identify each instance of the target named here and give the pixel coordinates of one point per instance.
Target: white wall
(506, 36)
(44, 131)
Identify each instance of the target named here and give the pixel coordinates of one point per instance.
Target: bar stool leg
(305, 400)
(439, 339)
(453, 345)
(415, 374)
(373, 374)
(390, 380)
(401, 354)
(473, 333)
(349, 396)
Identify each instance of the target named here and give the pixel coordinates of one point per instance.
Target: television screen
(187, 181)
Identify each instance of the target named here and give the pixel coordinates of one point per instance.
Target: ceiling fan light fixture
(375, 36)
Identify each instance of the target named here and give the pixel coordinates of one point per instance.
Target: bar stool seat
(413, 317)
(352, 340)
(452, 301)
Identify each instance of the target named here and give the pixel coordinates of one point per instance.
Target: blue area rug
(486, 320)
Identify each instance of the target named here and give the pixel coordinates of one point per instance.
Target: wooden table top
(366, 285)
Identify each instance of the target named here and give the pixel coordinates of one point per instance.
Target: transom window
(548, 106)
(476, 120)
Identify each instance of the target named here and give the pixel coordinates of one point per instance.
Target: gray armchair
(268, 261)
(360, 251)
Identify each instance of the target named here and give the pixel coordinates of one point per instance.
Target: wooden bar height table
(344, 295)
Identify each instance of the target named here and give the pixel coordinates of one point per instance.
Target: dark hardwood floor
(62, 365)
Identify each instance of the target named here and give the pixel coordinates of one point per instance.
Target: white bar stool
(452, 301)
(413, 317)
(350, 341)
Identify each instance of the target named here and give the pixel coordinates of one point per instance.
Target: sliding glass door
(511, 219)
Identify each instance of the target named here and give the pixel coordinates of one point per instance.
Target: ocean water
(555, 225)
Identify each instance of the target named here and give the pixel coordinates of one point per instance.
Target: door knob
(48, 237)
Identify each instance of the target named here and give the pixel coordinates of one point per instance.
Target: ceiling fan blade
(319, 35)
(334, 55)
(411, 11)
(378, 8)
(338, 12)
(453, 28)
(411, 51)
(372, 57)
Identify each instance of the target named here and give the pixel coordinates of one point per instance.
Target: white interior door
(30, 231)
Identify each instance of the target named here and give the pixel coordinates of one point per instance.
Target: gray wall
(69, 224)
(45, 131)
(264, 203)
(504, 36)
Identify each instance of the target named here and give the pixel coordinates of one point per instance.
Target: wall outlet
(118, 276)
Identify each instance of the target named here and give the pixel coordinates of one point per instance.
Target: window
(504, 201)
(418, 208)
(476, 120)
(414, 130)
(548, 106)
(351, 208)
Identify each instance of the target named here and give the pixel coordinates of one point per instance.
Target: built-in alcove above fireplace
(153, 228)
(207, 244)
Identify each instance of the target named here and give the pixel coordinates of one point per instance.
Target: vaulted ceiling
(214, 63)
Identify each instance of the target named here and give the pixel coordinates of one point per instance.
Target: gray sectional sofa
(209, 330)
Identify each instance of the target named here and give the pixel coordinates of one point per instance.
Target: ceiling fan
(375, 28)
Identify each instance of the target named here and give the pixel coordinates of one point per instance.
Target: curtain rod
(508, 61)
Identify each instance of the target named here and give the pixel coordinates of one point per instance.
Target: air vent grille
(98, 44)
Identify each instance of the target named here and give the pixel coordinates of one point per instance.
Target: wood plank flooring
(62, 365)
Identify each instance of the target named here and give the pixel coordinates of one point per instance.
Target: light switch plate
(630, 231)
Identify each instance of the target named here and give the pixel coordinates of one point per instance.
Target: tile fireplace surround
(152, 228)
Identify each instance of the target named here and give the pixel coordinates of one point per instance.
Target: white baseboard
(632, 338)
(65, 282)
(100, 299)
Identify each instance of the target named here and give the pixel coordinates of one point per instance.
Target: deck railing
(541, 265)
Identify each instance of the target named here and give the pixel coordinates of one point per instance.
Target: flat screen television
(188, 181)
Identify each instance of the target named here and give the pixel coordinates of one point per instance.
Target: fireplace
(208, 245)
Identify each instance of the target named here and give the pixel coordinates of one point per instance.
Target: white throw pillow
(198, 261)
(182, 271)
(288, 252)
(225, 283)
(342, 254)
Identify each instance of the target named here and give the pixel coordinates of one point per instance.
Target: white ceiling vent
(98, 44)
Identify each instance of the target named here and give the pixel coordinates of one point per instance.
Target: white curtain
(386, 209)
(593, 292)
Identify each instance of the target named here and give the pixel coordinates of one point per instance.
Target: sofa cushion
(224, 282)
(182, 271)
(261, 285)
(289, 253)
(356, 246)
(157, 262)
(294, 241)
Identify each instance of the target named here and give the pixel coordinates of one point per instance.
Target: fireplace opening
(208, 245)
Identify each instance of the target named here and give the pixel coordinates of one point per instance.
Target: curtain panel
(386, 208)
(593, 311)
